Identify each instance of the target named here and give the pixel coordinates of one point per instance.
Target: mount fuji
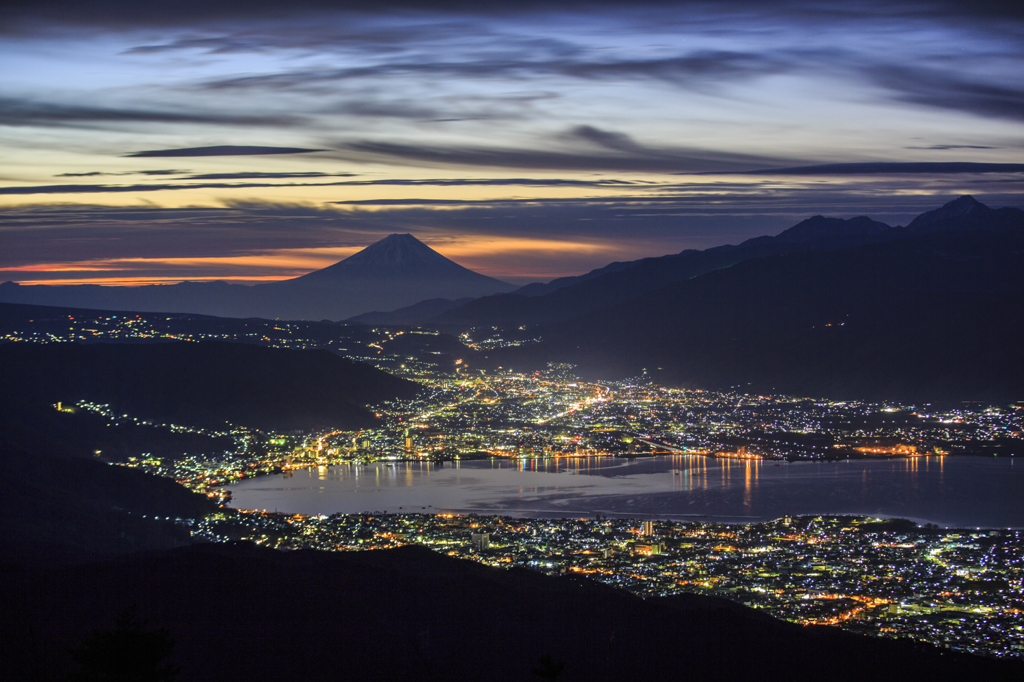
(395, 272)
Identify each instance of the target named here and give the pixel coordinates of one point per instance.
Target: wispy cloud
(25, 17)
(497, 182)
(702, 69)
(23, 112)
(396, 182)
(946, 147)
(255, 175)
(944, 89)
(615, 152)
(121, 189)
(224, 150)
(93, 174)
(894, 168)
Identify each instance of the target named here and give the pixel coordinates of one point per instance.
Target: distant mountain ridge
(395, 272)
(410, 315)
(621, 282)
(967, 213)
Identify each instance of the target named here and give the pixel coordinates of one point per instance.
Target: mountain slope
(411, 315)
(57, 499)
(967, 213)
(623, 281)
(931, 318)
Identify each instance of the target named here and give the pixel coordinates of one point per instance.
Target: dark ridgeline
(620, 282)
(395, 272)
(411, 315)
(242, 613)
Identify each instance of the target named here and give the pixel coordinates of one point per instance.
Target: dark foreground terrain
(203, 384)
(243, 613)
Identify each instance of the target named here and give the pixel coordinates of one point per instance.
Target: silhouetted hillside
(931, 318)
(589, 294)
(411, 315)
(204, 384)
(240, 613)
(120, 326)
(545, 288)
(57, 500)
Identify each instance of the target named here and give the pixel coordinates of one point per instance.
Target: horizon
(357, 250)
(258, 144)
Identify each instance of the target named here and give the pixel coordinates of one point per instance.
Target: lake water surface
(948, 491)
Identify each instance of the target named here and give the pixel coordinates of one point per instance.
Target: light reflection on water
(949, 491)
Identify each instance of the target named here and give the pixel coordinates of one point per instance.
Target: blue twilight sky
(253, 141)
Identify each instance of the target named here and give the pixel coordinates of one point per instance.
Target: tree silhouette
(131, 652)
(547, 668)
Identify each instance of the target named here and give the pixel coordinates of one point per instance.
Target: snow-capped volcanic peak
(396, 251)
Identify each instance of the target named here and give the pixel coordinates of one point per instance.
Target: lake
(948, 491)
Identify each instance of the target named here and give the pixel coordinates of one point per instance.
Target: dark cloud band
(224, 150)
(456, 182)
(22, 113)
(894, 168)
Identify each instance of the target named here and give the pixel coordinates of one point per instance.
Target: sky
(254, 141)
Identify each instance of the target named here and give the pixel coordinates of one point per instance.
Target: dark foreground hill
(239, 613)
(927, 319)
(203, 384)
(56, 499)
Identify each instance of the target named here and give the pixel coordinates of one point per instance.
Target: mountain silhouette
(621, 282)
(831, 233)
(399, 255)
(395, 272)
(967, 213)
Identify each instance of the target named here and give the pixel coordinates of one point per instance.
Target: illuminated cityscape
(960, 589)
(957, 588)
